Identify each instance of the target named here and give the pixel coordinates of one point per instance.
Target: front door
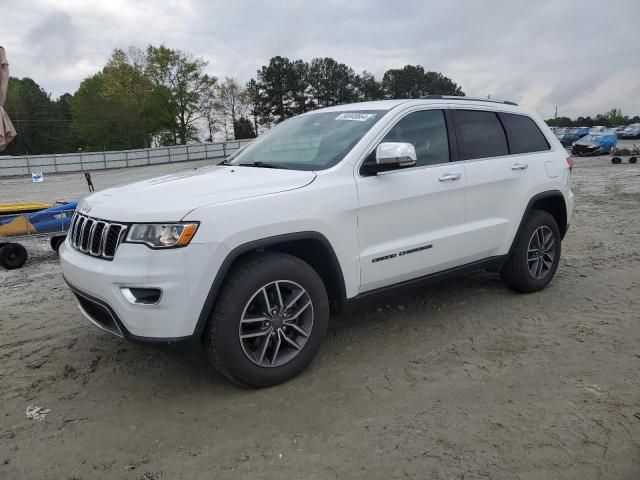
(411, 221)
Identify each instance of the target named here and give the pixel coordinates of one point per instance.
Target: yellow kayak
(18, 208)
(20, 226)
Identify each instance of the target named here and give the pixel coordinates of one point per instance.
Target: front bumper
(587, 150)
(183, 275)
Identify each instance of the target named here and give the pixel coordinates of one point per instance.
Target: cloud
(53, 40)
(578, 54)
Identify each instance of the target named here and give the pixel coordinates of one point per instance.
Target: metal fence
(76, 162)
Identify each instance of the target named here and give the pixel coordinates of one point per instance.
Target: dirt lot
(463, 379)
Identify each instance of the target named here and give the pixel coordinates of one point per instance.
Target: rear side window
(524, 135)
(427, 131)
(480, 134)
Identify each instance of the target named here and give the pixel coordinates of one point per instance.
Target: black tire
(221, 337)
(616, 160)
(633, 159)
(515, 273)
(12, 256)
(55, 242)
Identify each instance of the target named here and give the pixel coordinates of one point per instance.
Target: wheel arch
(551, 201)
(311, 247)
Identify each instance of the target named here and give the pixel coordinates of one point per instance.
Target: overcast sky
(583, 56)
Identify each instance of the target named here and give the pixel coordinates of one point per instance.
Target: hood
(171, 197)
(586, 143)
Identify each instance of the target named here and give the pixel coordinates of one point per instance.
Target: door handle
(450, 177)
(519, 166)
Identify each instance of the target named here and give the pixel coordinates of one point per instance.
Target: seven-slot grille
(95, 237)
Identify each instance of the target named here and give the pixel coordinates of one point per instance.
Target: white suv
(252, 255)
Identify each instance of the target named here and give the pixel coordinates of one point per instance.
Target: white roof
(389, 104)
(376, 105)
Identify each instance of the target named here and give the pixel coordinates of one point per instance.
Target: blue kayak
(50, 220)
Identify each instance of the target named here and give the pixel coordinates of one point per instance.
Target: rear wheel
(633, 159)
(616, 160)
(536, 254)
(12, 255)
(269, 320)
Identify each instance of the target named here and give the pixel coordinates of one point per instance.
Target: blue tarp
(582, 131)
(54, 219)
(606, 141)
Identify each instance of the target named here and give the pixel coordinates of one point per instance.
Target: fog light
(141, 296)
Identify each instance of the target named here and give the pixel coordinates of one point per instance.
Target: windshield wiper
(259, 165)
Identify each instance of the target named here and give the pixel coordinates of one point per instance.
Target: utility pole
(556, 112)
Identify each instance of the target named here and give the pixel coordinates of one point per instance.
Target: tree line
(612, 118)
(164, 96)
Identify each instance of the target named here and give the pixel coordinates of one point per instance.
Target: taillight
(570, 163)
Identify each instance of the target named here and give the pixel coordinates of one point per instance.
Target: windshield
(308, 142)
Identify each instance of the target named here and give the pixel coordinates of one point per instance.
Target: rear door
(411, 221)
(500, 177)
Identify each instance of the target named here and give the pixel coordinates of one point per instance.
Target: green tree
(411, 81)
(256, 103)
(64, 121)
(283, 89)
(127, 80)
(243, 129)
(101, 122)
(368, 88)
(189, 88)
(616, 117)
(131, 106)
(560, 122)
(42, 124)
(230, 104)
(331, 83)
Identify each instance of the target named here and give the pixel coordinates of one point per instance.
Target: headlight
(158, 235)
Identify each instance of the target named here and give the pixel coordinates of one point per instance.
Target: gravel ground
(463, 379)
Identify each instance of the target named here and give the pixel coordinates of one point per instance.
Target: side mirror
(398, 154)
(389, 156)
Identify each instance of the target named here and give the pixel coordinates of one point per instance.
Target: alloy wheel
(541, 252)
(276, 323)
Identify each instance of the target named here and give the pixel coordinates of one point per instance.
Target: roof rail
(477, 99)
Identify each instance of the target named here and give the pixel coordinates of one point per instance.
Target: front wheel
(535, 255)
(55, 242)
(269, 320)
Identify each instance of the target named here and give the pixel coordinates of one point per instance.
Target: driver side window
(426, 130)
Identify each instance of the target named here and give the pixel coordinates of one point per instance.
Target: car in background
(581, 131)
(567, 138)
(598, 129)
(594, 144)
(618, 130)
(632, 132)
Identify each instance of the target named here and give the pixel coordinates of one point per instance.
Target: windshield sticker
(356, 117)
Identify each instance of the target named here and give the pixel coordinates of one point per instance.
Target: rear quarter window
(524, 134)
